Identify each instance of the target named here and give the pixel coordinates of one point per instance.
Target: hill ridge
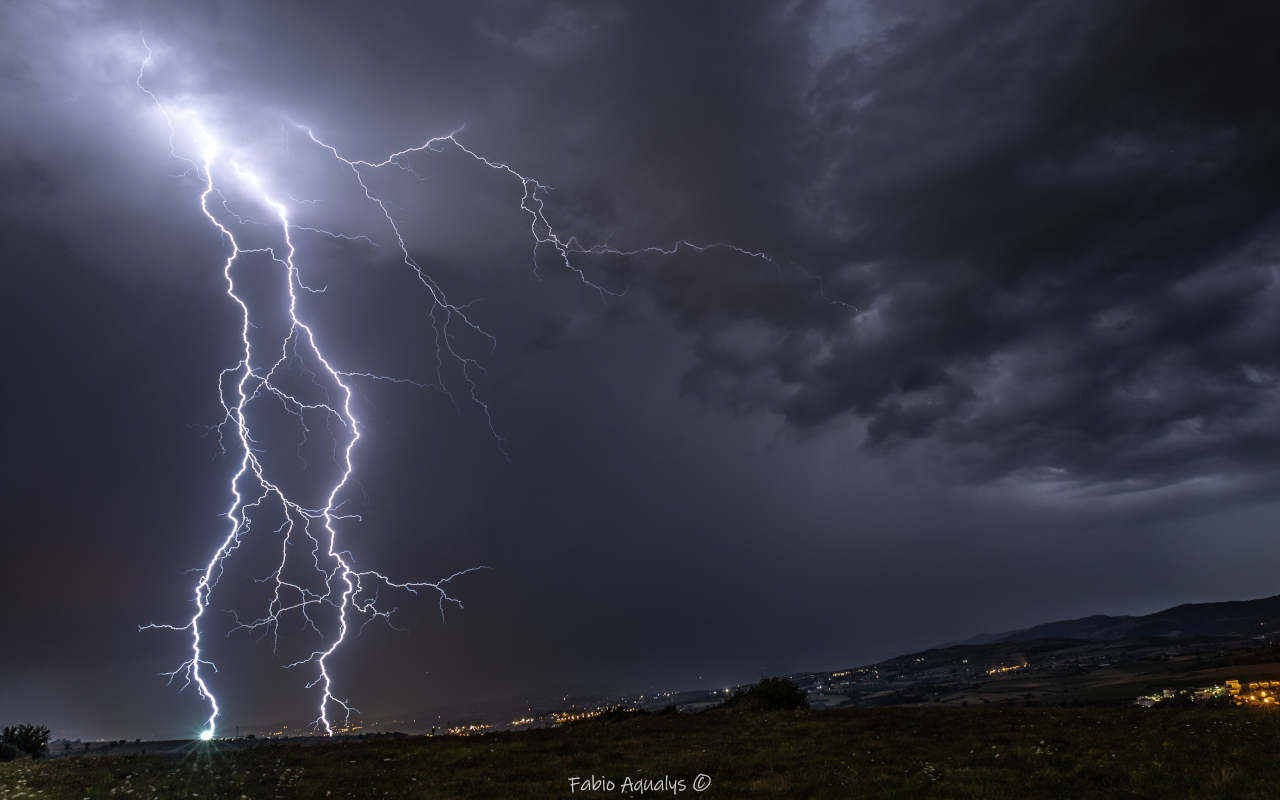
(1219, 618)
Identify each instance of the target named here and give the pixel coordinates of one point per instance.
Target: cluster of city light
(1259, 693)
(472, 730)
(998, 670)
(566, 716)
(525, 721)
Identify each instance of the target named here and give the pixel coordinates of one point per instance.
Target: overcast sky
(1010, 353)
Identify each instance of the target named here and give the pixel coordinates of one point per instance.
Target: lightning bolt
(272, 374)
(255, 379)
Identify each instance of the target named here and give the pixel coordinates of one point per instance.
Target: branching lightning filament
(282, 367)
(300, 380)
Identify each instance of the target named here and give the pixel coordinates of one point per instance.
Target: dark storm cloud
(1012, 246)
(1059, 226)
(1056, 224)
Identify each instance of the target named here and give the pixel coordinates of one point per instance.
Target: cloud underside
(1041, 237)
(1038, 239)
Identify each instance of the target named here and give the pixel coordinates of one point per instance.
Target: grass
(987, 752)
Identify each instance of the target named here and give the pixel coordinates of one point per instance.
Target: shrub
(30, 739)
(8, 752)
(770, 694)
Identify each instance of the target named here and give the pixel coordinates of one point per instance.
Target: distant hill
(1232, 618)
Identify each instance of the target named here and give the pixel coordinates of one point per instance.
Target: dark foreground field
(1011, 752)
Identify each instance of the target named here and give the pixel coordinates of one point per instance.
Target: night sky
(1013, 356)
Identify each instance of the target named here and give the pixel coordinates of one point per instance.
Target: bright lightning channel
(254, 378)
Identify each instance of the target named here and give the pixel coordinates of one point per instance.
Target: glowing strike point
(206, 736)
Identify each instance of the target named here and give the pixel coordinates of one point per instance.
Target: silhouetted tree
(770, 694)
(30, 739)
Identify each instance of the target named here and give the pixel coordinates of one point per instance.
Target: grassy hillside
(982, 752)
